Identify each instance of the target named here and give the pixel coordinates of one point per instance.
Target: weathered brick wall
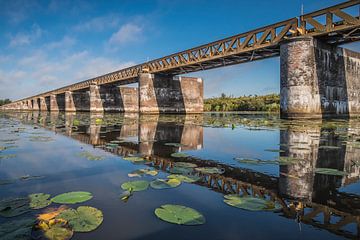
(167, 94)
(318, 80)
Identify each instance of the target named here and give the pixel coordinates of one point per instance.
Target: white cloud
(129, 32)
(98, 24)
(25, 38)
(65, 42)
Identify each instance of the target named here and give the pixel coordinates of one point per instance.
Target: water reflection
(306, 196)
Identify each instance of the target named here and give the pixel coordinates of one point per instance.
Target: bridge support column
(168, 94)
(318, 80)
(96, 104)
(43, 106)
(35, 104)
(29, 104)
(53, 103)
(69, 102)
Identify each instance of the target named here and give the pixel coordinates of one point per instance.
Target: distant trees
(4, 101)
(268, 103)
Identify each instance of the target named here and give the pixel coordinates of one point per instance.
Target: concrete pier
(35, 104)
(95, 99)
(43, 106)
(318, 80)
(69, 102)
(53, 103)
(168, 94)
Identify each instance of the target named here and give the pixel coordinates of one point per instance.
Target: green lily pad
(287, 160)
(255, 161)
(185, 165)
(7, 156)
(178, 214)
(210, 170)
(250, 203)
(180, 170)
(18, 229)
(179, 155)
(39, 200)
(12, 207)
(126, 195)
(330, 171)
(56, 229)
(274, 150)
(144, 171)
(135, 186)
(83, 219)
(135, 159)
(165, 183)
(90, 156)
(183, 178)
(72, 197)
(98, 121)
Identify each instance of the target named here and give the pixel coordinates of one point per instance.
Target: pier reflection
(306, 196)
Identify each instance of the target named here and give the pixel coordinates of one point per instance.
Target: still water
(260, 156)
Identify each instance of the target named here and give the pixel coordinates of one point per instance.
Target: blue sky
(49, 44)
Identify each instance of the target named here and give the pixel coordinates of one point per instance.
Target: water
(260, 155)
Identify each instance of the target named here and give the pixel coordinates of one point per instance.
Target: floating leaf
(330, 171)
(51, 213)
(18, 229)
(12, 207)
(210, 170)
(274, 150)
(6, 181)
(90, 156)
(250, 203)
(28, 177)
(183, 178)
(39, 200)
(329, 147)
(56, 229)
(141, 172)
(72, 197)
(180, 170)
(83, 219)
(178, 214)
(165, 183)
(255, 161)
(40, 139)
(126, 195)
(98, 121)
(7, 156)
(185, 165)
(179, 155)
(135, 186)
(173, 144)
(287, 160)
(135, 159)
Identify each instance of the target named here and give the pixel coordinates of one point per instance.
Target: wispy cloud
(129, 32)
(65, 42)
(98, 24)
(26, 38)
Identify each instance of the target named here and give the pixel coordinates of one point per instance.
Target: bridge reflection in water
(307, 197)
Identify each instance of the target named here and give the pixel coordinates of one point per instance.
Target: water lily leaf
(124, 196)
(7, 156)
(250, 203)
(135, 186)
(255, 161)
(12, 207)
(137, 160)
(39, 200)
(72, 197)
(185, 165)
(274, 150)
(287, 160)
(330, 171)
(83, 219)
(90, 156)
(40, 139)
(28, 177)
(329, 147)
(56, 229)
(174, 144)
(210, 170)
(51, 213)
(165, 183)
(180, 170)
(98, 121)
(18, 229)
(144, 171)
(178, 214)
(179, 155)
(183, 178)
(6, 181)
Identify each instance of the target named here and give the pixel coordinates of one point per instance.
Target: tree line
(4, 101)
(268, 103)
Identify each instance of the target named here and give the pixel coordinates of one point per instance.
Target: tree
(4, 101)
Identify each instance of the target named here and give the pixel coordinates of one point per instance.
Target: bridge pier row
(53, 103)
(29, 104)
(170, 94)
(318, 80)
(35, 104)
(43, 106)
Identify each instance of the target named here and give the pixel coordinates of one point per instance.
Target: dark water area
(261, 156)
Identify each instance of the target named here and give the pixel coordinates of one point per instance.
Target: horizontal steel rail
(253, 45)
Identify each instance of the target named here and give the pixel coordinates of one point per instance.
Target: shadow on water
(306, 197)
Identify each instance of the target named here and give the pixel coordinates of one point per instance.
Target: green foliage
(251, 203)
(178, 214)
(39, 200)
(72, 197)
(266, 103)
(4, 101)
(165, 183)
(135, 186)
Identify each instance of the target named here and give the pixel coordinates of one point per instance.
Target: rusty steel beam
(259, 44)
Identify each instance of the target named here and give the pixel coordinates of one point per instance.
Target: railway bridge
(317, 78)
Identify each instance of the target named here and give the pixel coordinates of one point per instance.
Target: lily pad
(144, 171)
(183, 178)
(12, 207)
(178, 214)
(330, 171)
(180, 170)
(210, 170)
(83, 219)
(126, 195)
(90, 156)
(135, 159)
(57, 229)
(135, 186)
(255, 161)
(72, 197)
(274, 150)
(185, 165)
(179, 155)
(251, 203)
(39, 200)
(18, 229)
(165, 183)
(7, 156)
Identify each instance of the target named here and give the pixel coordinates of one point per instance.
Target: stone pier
(43, 106)
(35, 104)
(69, 102)
(95, 99)
(318, 80)
(168, 94)
(53, 103)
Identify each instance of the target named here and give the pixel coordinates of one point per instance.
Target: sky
(49, 44)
